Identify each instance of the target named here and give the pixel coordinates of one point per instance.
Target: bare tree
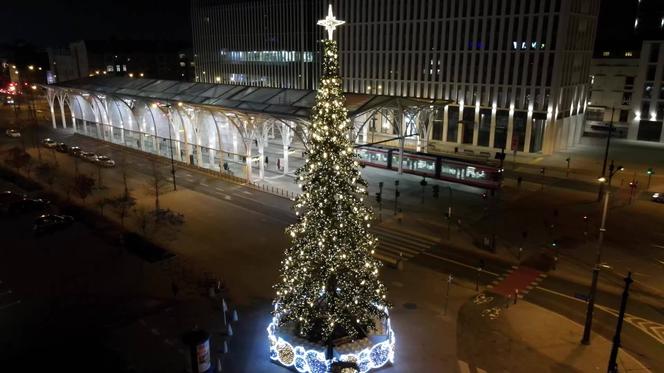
(17, 158)
(158, 183)
(82, 186)
(122, 205)
(47, 172)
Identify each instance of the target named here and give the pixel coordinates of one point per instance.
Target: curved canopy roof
(280, 102)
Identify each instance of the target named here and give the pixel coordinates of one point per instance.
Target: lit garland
(329, 279)
(291, 354)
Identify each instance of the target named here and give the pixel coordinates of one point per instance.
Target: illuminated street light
(598, 260)
(31, 67)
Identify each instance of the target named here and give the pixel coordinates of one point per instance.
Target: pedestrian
(174, 289)
(518, 181)
(226, 166)
(278, 164)
(267, 160)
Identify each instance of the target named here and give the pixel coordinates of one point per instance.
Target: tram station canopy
(277, 102)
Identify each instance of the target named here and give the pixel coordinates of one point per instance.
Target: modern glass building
(517, 71)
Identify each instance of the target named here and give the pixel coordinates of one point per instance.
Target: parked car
(658, 197)
(29, 205)
(62, 147)
(105, 161)
(49, 143)
(51, 222)
(88, 156)
(75, 151)
(7, 198)
(12, 133)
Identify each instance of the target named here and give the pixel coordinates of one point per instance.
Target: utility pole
(568, 161)
(396, 195)
(606, 155)
(598, 260)
(449, 213)
(170, 144)
(613, 366)
(447, 293)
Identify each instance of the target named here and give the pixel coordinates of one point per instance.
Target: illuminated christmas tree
(329, 287)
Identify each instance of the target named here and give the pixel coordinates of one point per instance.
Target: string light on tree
(329, 287)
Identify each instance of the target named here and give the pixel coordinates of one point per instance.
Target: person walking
(518, 181)
(278, 164)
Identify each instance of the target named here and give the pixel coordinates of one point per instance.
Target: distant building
(517, 72)
(627, 72)
(132, 58)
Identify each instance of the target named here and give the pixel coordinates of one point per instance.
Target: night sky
(57, 22)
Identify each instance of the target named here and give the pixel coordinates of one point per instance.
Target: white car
(87, 156)
(12, 133)
(49, 143)
(105, 161)
(658, 197)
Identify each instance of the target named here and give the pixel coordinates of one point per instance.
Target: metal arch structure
(196, 113)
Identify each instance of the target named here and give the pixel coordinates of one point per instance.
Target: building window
(624, 114)
(647, 90)
(628, 54)
(651, 72)
(606, 53)
(109, 68)
(627, 98)
(654, 52)
(629, 81)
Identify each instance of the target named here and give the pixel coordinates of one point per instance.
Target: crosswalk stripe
(394, 245)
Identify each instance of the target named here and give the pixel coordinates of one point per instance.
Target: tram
(433, 166)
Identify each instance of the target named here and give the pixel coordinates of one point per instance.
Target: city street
(233, 231)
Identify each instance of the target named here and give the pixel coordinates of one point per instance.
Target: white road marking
(219, 189)
(204, 184)
(631, 319)
(458, 263)
(463, 367)
(227, 197)
(246, 192)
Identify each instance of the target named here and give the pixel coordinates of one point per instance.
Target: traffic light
(378, 197)
(436, 191)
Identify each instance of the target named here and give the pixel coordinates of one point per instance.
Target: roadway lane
(554, 294)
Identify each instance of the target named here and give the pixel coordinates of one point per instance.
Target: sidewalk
(526, 338)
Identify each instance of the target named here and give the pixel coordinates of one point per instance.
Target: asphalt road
(643, 340)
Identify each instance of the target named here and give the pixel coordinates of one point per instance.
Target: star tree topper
(330, 22)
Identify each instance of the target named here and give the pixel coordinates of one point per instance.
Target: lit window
(124, 67)
(606, 54)
(117, 67)
(182, 64)
(636, 23)
(628, 54)
(109, 68)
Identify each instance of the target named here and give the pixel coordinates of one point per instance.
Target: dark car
(51, 222)
(8, 197)
(62, 147)
(29, 205)
(75, 151)
(658, 197)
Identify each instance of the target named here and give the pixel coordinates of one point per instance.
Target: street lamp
(170, 142)
(606, 154)
(598, 261)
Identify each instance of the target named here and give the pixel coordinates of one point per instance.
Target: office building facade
(517, 71)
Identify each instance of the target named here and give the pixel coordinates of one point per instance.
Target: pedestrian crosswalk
(517, 282)
(394, 245)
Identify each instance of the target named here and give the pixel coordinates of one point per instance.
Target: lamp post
(170, 144)
(606, 155)
(593, 285)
